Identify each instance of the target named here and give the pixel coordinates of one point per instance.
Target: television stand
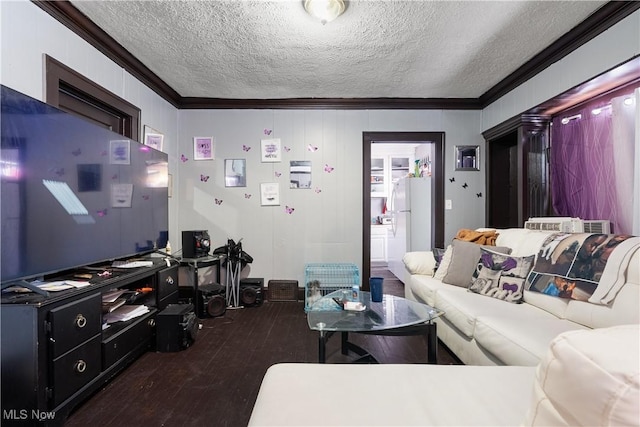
(25, 284)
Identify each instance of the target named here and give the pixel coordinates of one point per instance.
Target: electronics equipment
(251, 292)
(74, 193)
(568, 225)
(176, 328)
(195, 243)
(210, 300)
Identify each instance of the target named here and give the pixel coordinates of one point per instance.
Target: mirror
(467, 157)
(235, 173)
(300, 174)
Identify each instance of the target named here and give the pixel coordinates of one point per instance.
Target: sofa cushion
(464, 259)
(501, 276)
(424, 288)
(523, 242)
(461, 308)
(555, 306)
(443, 265)
(520, 337)
(577, 383)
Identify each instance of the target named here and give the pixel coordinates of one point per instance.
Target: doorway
(437, 190)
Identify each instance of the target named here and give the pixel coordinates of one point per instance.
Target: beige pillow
(444, 263)
(419, 262)
(464, 260)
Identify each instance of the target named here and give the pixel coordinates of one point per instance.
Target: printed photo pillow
(501, 276)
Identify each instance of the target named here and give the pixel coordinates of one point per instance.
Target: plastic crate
(322, 279)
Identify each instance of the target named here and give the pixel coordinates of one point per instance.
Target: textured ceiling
(252, 49)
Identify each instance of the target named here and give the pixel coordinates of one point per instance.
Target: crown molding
(604, 18)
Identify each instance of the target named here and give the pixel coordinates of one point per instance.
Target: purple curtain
(582, 166)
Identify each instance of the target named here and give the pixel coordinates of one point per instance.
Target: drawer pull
(81, 321)
(80, 366)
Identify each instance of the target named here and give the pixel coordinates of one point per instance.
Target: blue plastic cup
(375, 285)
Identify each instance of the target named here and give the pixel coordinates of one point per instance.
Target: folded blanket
(613, 276)
(480, 237)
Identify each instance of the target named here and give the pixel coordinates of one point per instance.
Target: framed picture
(153, 138)
(270, 149)
(300, 174)
(203, 148)
(235, 173)
(270, 194)
(120, 152)
(467, 157)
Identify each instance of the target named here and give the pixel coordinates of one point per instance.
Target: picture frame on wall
(203, 148)
(120, 152)
(270, 149)
(467, 157)
(152, 138)
(270, 194)
(235, 173)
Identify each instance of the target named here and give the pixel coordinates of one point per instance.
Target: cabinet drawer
(74, 323)
(139, 332)
(167, 282)
(75, 369)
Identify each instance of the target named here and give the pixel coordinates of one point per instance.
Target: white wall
(325, 226)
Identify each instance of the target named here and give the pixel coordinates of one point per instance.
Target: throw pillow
(501, 276)
(464, 260)
(438, 253)
(443, 266)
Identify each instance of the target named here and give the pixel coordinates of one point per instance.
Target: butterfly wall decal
(183, 158)
(465, 185)
(267, 131)
(114, 176)
(145, 197)
(245, 147)
(102, 212)
(287, 149)
(247, 195)
(478, 195)
(318, 190)
(289, 210)
(312, 148)
(277, 174)
(57, 171)
(204, 178)
(452, 179)
(218, 201)
(328, 168)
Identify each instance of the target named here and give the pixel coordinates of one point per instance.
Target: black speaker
(176, 328)
(210, 300)
(195, 243)
(251, 292)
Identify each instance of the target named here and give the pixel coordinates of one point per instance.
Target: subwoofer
(176, 328)
(210, 300)
(251, 292)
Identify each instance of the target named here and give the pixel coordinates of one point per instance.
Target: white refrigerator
(410, 208)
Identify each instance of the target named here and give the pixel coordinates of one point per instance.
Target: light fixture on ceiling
(324, 10)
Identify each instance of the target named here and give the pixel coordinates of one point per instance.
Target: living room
(322, 223)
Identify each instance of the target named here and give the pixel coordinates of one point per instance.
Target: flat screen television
(73, 193)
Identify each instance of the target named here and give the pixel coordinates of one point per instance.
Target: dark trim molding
(604, 18)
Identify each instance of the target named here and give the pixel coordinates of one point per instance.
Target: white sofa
(485, 331)
(586, 378)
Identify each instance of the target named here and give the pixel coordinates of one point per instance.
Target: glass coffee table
(394, 316)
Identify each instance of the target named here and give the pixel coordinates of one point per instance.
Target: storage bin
(324, 278)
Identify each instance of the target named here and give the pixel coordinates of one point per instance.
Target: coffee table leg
(321, 348)
(345, 343)
(432, 344)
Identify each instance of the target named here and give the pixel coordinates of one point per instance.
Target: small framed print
(270, 149)
(270, 194)
(153, 138)
(120, 152)
(203, 148)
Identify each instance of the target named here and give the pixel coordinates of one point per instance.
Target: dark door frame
(437, 208)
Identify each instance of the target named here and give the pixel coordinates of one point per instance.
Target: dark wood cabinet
(57, 351)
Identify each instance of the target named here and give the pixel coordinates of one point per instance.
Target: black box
(176, 328)
(195, 243)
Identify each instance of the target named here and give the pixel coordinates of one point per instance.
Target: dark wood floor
(215, 382)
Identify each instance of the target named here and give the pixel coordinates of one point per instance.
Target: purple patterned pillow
(501, 276)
